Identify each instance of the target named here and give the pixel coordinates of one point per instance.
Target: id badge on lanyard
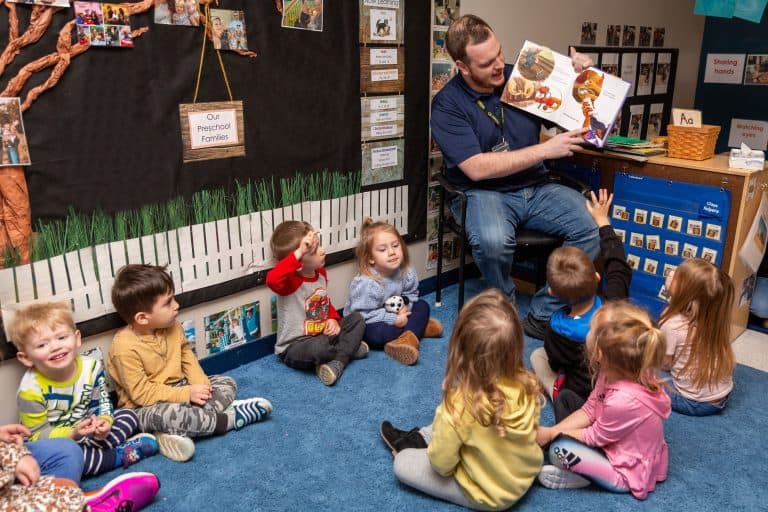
(503, 145)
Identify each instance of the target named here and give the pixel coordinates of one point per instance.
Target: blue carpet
(321, 448)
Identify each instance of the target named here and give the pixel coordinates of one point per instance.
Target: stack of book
(637, 149)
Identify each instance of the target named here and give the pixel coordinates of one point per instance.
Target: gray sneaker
(330, 372)
(362, 351)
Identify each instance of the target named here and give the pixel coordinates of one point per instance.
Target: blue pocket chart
(662, 222)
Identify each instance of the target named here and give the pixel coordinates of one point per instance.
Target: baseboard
(450, 277)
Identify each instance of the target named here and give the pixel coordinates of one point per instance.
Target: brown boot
(434, 329)
(404, 349)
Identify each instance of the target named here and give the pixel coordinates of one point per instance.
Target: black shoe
(535, 327)
(398, 440)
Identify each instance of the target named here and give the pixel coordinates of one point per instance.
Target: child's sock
(244, 412)
(134, 449)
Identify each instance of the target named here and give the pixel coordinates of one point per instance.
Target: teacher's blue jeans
(492, 221)
(759, 305)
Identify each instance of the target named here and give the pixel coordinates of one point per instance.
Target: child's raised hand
(332, 327)
(308, 245)
(599, 207)
(402, 317)
(199, 394)
(14, 433)
(27, 470)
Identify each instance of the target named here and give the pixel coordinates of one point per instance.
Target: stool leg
(440, 227)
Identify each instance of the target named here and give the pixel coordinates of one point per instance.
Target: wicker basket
(692, 143)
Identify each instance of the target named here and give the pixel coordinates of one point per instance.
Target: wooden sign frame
(215, 150)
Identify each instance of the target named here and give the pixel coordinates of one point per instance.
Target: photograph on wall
(432, 254)
(636, 114)
(658, 36)
(756, 70)
(433, 198)
(588, 32)
(663, 68)
(446, 11)
(189, 333)
(439, 52)
(184, 13)
(628, 35)
(382, 161)
(273, 312)
(616, 128)
(610, 63)
(655, 113)
(644, 39)
(105, 25)
(441, 73)
(629, 71)
(228, 29)
(303, 14)
(231, 328)
(52, 3)
(15, 150)
(645, 78)
(613, 35)
(383, 25)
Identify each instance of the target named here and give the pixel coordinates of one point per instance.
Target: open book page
(545, 84)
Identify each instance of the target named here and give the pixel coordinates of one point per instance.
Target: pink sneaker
(129, 491)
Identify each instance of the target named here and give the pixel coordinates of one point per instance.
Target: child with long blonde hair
(480, 451)
(384, 275)
(697, 328)
(616, 439)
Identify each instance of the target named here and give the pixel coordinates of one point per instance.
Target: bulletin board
(107, 136)
(651, 71)
(663, 222)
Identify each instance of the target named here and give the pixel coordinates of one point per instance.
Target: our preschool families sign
(212, 130)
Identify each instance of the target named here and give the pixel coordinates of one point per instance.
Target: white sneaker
(555, 478)
(175, 447)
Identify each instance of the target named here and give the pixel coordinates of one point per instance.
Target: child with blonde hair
(64, 395)
(616, 439)
(384, 274)
(697, 328)
(480, 451)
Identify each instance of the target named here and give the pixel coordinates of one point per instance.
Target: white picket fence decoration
(197, 256)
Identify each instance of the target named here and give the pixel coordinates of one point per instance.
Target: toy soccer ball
(395, 303)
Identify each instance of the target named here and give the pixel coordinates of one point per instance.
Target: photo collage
(231, 328)
(622, 35)
(103, 24)
(14, 149)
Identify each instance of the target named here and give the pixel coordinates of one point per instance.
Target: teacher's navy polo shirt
(462, 129)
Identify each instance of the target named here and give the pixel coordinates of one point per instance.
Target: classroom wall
(551, 22)
(719, 103)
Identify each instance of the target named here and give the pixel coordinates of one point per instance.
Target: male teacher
(492, 152)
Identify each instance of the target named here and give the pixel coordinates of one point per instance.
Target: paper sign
(754, 246)
(383, 157)
(383, 130)
(212, 128)
(685, 117)
(751, 132)
(386, 103)
(394, 4)
(383, 56)
(724, 68)
(384, 116)
(382, 75)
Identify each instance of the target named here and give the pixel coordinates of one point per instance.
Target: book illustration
(545, 84)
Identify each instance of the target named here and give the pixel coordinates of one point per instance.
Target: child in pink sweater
(616, 439)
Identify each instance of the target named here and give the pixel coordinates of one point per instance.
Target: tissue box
(751, 159)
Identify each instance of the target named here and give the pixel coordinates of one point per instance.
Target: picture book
(545, 84)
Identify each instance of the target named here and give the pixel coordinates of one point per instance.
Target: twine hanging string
(209, 26)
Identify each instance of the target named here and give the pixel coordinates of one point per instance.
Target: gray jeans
(188, 419)
(412, 468)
